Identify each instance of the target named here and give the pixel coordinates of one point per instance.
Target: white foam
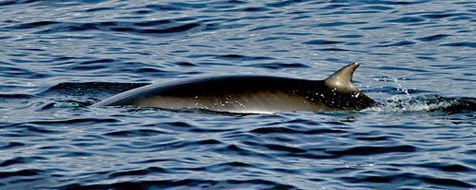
(407, 103)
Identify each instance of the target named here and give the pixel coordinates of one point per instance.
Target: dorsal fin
(341, 80)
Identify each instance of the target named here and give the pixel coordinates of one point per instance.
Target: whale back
(250, 94)
(341, 80)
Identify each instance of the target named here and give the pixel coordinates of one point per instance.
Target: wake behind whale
(250, 94)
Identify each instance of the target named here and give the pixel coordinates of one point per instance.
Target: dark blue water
(58, 57)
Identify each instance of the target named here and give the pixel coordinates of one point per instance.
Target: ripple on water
(187, 183)
(138, 28)
(433, 37)
(405, 179)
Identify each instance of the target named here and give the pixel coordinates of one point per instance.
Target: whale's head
(342, 93)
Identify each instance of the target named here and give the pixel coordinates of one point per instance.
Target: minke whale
(250, 94)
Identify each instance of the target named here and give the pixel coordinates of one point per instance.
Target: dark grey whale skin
(250, 94)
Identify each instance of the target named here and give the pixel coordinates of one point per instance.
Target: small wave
(186, 184)
(400, 43)
(89, 89)
(134, 133)
(461, 44)
(370, 150)
(277, 65)
(447, 167)
(9, 145)
(379, 178)
(322, 42)
(75, 121)
(153, 27)
(242, 57)
(19, 160)
(407, 19)
(139, 172)
(14, 2)
(286, 130)
(433, 37)
(20, 72)
(23, 173)
(15, 96)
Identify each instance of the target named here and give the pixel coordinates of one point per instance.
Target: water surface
(59, 57)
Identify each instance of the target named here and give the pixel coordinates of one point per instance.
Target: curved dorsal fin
(341, 80)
